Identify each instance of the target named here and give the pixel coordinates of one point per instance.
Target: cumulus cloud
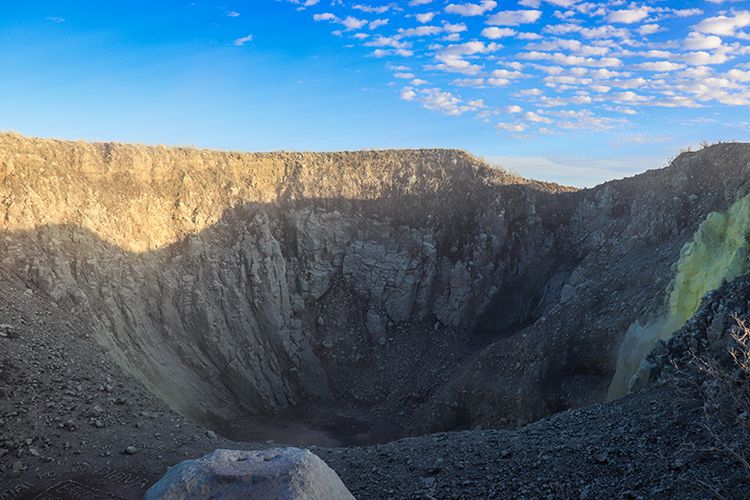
(546, 66)
(470, 9)
(493, 33)
(453, 58)
(724, 25)
(698, 41)
(441, 101)
(659, 66)
(514, 17)
(628, 16)
(510, 127)
(649, 29)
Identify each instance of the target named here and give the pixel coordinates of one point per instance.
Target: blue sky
(565, 90)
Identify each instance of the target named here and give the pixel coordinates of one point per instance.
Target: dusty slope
(68, 412)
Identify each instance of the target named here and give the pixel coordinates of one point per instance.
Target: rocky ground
(73, 424)
(707, 335)
(67, 412)
(651, 445)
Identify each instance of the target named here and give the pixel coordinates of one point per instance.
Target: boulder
(283, 473)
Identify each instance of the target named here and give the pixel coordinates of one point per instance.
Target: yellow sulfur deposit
(718, 252)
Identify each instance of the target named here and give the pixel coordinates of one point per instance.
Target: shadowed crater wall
(410, 290)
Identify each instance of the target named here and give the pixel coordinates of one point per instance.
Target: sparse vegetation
(724, 389)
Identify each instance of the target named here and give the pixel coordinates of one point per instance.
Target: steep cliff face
(423, 286)
(205, 273)
(615, 262)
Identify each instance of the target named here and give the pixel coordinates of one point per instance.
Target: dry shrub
(724, 388)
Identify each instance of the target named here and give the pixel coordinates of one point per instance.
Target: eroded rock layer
(424, 287)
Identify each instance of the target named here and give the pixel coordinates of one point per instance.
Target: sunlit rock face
(719, 252)
(244, 284)
(424, 287)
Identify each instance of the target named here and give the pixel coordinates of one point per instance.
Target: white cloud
(536, 118)
(739, 75)
(493, 32)
(452, 59)
(441, 101)
(303, 4)
(571, 60)
(239, 42)
(573, 46)
(514, 17)
(628, 16)
(724, 25)
(470, 9)
(380, 9)
(420, 31)
(599, 32)
(401, 52)
(352, 23)
(377, 23)
(349, 22)
(386, 41)
(454, 28)
(408, 94)
(649, 29)
(698, 41)
(511, 127)
(659, 66)
(605, 57)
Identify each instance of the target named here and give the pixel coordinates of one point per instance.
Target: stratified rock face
(204, 272)
(422, 284)
(283, 474)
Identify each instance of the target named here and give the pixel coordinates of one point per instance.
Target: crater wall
(423, 286)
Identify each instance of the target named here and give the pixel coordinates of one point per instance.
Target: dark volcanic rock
(707, 335)
(648, 445)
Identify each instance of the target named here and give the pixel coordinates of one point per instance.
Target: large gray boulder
(282, 473)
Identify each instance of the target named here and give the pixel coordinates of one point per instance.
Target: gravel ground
(650, 445)
(68, 413)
